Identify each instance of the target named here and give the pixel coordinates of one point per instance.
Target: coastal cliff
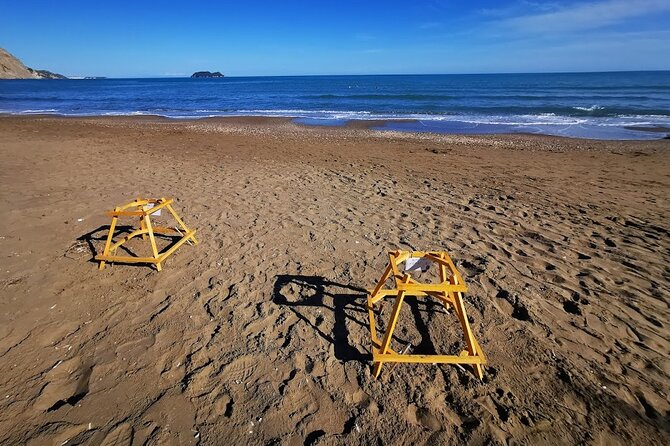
(13, 68)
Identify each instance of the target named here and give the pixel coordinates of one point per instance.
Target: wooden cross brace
(448, 292)
(140, 208)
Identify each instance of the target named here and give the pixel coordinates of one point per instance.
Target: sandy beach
(258, 335)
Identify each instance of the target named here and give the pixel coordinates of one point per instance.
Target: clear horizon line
(163, 76)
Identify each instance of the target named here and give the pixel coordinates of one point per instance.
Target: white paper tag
(149, 206)
(417, 263)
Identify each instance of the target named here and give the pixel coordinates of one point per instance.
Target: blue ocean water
(591, 105)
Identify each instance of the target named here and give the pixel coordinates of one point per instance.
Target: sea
(613, 105)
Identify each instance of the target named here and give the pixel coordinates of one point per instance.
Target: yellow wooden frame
(448, 292)
(139, 208)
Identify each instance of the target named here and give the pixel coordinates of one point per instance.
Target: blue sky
(169, 38)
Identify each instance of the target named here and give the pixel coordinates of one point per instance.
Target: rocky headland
(13, 68)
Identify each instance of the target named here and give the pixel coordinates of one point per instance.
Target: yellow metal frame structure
(449, 292)
(143, 209)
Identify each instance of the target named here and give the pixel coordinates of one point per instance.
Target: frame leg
(465, 325)
(469, 338)
(140, 208)
(105, 251)
(377, 369)
(154, 249)
(380, 284)
(389, 331)
(444, 279)
(181, 223)
(143, 227)
(371, 316)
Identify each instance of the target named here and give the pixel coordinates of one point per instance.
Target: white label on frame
(417, 263)
(149, 206)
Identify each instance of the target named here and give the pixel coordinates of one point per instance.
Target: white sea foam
(39, 111)
(590, 109)
(508, 120)
(612, 127)
(129, 113)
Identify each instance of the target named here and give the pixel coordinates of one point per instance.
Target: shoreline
(373, 125)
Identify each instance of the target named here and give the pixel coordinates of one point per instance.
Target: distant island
(206, 74)
(13, 68)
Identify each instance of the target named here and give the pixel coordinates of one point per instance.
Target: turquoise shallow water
(592, 105)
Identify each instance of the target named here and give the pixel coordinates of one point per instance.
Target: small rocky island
(206, 74)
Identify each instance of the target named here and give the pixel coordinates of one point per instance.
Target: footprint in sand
(121, 435)
(66, 383)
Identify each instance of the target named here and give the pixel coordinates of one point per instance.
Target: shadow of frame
(301, 293)
(99, 236)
